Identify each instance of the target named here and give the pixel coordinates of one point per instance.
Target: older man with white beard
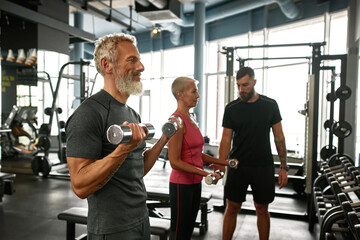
(109, 176)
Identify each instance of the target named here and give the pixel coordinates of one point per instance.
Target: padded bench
(160, 198)
(78, 215)
(6, 184)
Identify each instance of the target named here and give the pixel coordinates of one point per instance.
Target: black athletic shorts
(261, 180)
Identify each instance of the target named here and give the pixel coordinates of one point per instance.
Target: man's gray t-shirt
(121, 203)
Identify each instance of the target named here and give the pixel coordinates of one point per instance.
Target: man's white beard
(126, 85)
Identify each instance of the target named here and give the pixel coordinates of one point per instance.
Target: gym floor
(31, 212)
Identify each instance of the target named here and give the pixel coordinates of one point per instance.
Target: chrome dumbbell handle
(210, 179)
(170, 127)
(233, 163)
(117, 134)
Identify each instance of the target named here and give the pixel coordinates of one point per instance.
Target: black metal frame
(316, 60)
(316, 68)
(82, 79)
(54, 110)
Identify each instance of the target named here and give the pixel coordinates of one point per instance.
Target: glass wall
(283, 79)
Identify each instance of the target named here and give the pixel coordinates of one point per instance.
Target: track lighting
(10, 57)
(31, 57)
(155, 31)
(21, 56)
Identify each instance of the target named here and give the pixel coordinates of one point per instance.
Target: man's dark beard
(249, 96)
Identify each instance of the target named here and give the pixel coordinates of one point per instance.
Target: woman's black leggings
(185, 203)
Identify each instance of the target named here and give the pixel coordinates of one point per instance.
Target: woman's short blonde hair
(180, 84)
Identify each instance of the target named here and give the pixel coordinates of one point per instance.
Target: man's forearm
(152, 154)
(224, 149)
(281, 149)
(89, 175)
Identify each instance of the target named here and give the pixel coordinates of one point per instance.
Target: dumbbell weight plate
(35, 165)
(209, 179)
(334, 160)
(46, 166)
(326, 152)
(118, 134)
(170, 127)
(331, 97)
(41, 165)
(44, 143)
(343, 92)
(48, 111)
(328, 123)
(341, 129)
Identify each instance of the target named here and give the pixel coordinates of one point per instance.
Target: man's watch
(286, 168)
(233, 163)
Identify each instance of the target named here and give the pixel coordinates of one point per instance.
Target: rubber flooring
(31, 212)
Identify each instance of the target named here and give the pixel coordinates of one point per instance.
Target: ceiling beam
(100, 14)
(39, 18)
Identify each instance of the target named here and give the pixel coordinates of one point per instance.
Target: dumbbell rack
(337, 198)
(339, 128)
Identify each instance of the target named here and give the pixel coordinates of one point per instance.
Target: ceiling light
(21, 56)
(31, 56)
(155, 31)
(10, 57)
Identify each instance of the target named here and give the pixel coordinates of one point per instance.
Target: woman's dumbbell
(171, 127)
(117, 134)
(210, 179)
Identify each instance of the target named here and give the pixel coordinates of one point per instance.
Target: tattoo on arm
(281, 149)
(108, 177)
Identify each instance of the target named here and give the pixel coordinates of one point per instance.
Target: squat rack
(312, 104)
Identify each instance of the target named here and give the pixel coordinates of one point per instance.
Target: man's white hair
(106, 47)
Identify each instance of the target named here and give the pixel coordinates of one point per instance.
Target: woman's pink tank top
(192, 147)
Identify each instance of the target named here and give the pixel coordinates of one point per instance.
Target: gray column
(78, 54)
(199, 44)
(352, 75)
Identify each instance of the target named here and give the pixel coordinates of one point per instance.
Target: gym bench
(78, 215)
(160, 198)
(6, 184)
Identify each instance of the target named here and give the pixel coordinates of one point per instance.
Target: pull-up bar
(279, 45)
(273, 58)
(229, 51)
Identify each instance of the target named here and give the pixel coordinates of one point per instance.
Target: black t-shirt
(251, 123)
(121, 203)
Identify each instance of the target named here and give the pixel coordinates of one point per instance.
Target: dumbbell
(337, 188)
(117, 134)
(170, 127)
(210, 179)
(342, 160)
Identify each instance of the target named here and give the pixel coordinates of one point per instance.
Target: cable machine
(41, 163)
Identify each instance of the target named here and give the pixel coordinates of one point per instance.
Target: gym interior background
(305, 54)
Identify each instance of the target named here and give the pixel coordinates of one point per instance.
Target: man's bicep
(277, 130)
(84, 138)
(227, 133)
